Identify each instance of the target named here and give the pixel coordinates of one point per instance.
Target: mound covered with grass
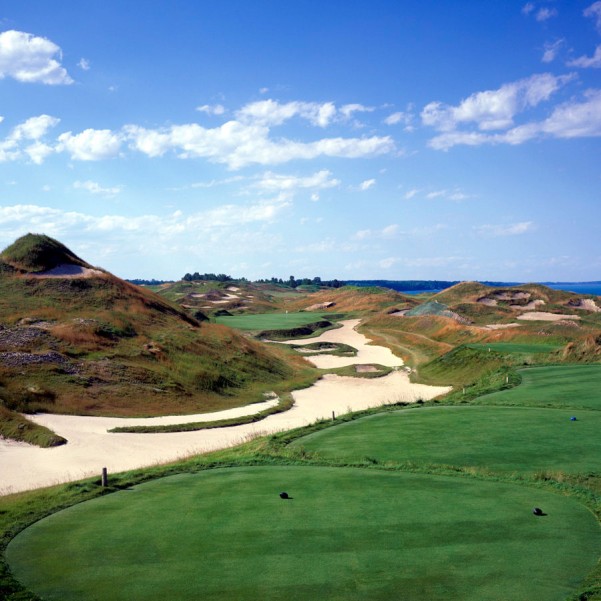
(34, 253)
(97, 345)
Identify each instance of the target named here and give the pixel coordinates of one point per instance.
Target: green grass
(347, 534)
(269, 321)
(500, 439)
(570, 386)
(515, 347)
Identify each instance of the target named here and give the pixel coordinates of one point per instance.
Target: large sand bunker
(543, 316)
(91, 447)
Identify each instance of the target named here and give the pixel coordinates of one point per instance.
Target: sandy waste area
(90, 447)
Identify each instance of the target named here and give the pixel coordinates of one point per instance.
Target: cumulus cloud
(96, 188)
(411, 193)
(239, 144)
(571, 119)
(528, 8)
(367, 184)
(211, 109)
(90, 144)
(494, 109)
(31, 59)
(586, 62)
(84, 64)
(514, 229)
(271, 112)
(24, 140)
(34, 128)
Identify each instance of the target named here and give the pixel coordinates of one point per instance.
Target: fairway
(269, 321)
(346, 534)
(506, 439)
(570, 386)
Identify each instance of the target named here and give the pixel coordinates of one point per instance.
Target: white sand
(67, 271)
(542, 316)
(91, 447)
(366, 353)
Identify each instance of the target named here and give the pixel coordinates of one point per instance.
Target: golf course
(427, 502)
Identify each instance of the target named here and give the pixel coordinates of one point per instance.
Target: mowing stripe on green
(559, 386)
(346, 534)
(504, 439)
(269, 321)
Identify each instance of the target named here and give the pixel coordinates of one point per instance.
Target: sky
(342, 139)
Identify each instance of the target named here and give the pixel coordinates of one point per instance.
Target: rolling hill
(76, 339)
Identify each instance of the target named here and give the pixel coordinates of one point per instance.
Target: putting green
(559, 386)
(269, 321)
(346, 534)
(507, 439)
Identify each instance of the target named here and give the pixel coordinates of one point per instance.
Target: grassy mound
(351, 534)
(33, 253)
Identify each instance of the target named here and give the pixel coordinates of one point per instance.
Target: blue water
(578, 287)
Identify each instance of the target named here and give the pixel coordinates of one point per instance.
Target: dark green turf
(269, 321)
(347, 534)
(506, 439)
(559, 386)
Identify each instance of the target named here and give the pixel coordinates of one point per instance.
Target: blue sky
(352, 140)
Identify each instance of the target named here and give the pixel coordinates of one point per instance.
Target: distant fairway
(515, 347)
(559, 386)
(347, 534)
(506, 439)
(269, 321)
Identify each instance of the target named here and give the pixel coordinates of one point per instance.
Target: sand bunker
(347, 334)
(67, 271)
(91, 447)
(542, 316)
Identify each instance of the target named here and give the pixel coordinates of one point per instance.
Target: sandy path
(91, 447)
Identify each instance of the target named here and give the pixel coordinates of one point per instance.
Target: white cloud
(240, 144)
(544, 14)
(586, 62)
(315, 197)
(90, 144)
(275, 182)
(271, 112)
(96, 188)
(57, 221)
(594, 11)
(411, 193)
(367, 184)
(387, 232)
(436, 194)
(528, 8)
(551, 50)
(84, 64)
(388, 262)
(211, 109)
(494, 109)
(34, 128)
(38, 151)
(514, 229)
(31, 59)
(347, 110)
